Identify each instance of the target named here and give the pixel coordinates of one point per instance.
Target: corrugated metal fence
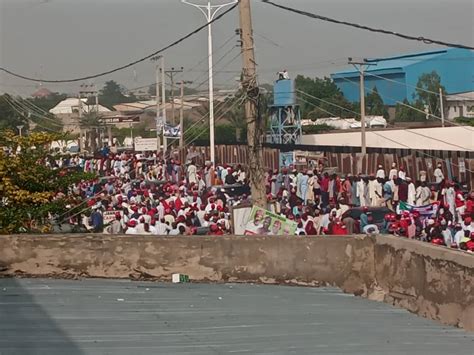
(456, 164)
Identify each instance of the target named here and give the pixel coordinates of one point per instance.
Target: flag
(426, 210)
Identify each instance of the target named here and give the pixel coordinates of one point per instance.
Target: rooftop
(398, 63)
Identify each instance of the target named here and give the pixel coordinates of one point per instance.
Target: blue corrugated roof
(394, 64)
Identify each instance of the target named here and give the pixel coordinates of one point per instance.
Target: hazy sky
(58, 39)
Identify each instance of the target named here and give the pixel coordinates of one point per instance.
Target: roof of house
(68, 105)
(461, 96)
(398, 63)
(42, 92)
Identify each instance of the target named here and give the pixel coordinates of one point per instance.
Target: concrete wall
(434, 282)
(309, 261)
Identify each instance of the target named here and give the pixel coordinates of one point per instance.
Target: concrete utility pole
(209, 12)
(163, 97)
(159, 121)
(255, 124)
(82, 133)
(361, 67)
(170, 74)
(181, 114)
(441, 106)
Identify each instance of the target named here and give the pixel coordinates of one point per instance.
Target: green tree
(28, 187)
(92, 123)
(427, 92)
(406, 114)
(9, 117)
(330, 95)
(374, 104)
(113, 94)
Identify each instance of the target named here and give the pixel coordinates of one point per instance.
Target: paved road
(123, 317)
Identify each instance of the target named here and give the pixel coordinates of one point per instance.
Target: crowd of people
(143, 194)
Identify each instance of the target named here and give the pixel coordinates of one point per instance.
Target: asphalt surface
(42, 316)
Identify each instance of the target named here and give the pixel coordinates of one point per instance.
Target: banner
(109, 216)
(427, 210)
(171, 131)
(287, 159)
(263, 222)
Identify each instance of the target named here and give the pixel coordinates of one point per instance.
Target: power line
(394, 141)
(408, 85)
(367, 28)
(409, 106)
(404, 129)
(199, 29)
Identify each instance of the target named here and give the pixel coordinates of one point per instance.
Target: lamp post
(209, 12)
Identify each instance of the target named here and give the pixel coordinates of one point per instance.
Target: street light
(209, 12)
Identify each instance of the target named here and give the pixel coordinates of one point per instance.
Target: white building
(459, 138)
(460, 105)
(71, 105)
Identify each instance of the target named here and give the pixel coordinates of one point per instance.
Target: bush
(316, 129)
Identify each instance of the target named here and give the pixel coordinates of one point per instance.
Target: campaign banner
(171, 131)
(287, 159)
(426, 210)
(263, 222)
(109, 216)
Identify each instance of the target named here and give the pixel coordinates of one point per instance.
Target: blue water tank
(284, 93)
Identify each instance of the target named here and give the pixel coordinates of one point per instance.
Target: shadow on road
(26, 327)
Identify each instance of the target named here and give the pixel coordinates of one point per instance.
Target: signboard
(146, 144)
(462, 167)
(263, 222)
(171, 131)
(119, 119)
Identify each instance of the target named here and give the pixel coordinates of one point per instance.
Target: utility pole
(170, 74)
(255, 124)
(441, 106)
(81, 134)
(163, 96)
(361, 67)
(209, 12)
(181, 114)
(159, 120)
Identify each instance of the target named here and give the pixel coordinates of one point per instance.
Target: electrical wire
(404, 129)
(409, 106)
(397, 142)
(367, 28)
(19, 112)
(368, 73)
(199, 29)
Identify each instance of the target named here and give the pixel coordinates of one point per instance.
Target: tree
(92, 123)
(403, 112)
(113, 94)
(9, 117)
(332, 103)
(427, 92)
(374, 104)
(28, 187)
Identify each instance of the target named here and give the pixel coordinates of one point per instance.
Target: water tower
(285, 124)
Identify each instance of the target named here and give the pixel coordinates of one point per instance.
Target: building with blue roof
(396, 77)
